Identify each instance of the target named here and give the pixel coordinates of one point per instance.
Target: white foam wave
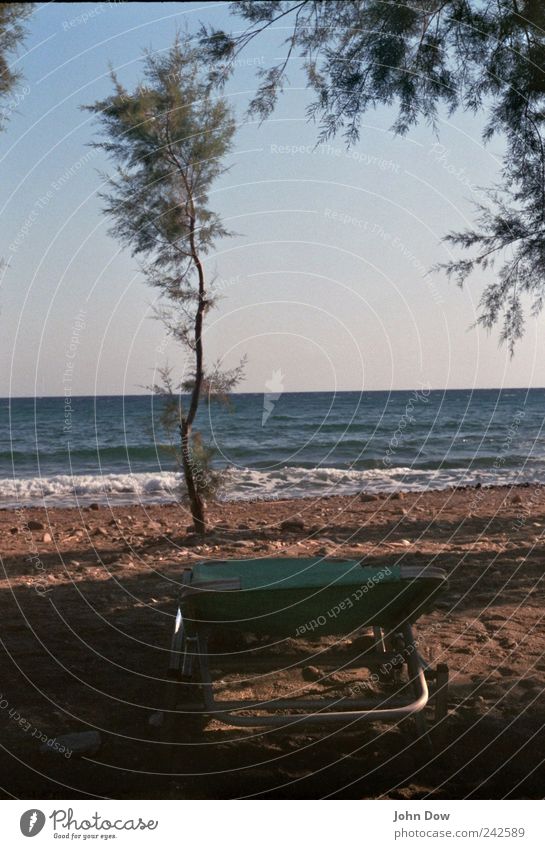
(70, 489)
(242, 484)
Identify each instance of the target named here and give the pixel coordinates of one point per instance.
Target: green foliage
(12, 31)
(510, 238)
(168, 138)
(208, 481)
(218, 384)
(418, 57)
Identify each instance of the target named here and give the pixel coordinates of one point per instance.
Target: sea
(58, 451)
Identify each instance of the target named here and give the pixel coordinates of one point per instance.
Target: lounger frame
(189, 665)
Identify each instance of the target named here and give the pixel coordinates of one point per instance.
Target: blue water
(298, 444)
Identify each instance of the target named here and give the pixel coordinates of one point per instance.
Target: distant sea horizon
(287, 392)
(69, 450)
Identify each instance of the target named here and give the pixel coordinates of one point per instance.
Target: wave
(244, 484)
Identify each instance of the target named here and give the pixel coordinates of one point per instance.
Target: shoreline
(410, 525)
(91, 501)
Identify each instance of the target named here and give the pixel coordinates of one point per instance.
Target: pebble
(311, 673)
(33, 525)
(293, 524)
(528, 683)
(157, 719)
(47, 538)
(79, 743)
(100, 532)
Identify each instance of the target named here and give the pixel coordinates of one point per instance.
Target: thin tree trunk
(195, 501)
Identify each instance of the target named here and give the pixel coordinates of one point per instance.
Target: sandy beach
(87, 605)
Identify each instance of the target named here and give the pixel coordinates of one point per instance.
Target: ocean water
(63, 452)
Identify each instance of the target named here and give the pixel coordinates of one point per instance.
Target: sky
(325, 284)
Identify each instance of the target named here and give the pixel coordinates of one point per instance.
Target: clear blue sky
(325, 279)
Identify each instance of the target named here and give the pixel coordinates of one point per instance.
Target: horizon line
(290, 392)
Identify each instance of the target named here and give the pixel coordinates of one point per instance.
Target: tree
(168, 139)
(419, 56)
(509, 237)
(12, 31)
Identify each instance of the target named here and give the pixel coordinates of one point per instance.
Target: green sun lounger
(286, 600)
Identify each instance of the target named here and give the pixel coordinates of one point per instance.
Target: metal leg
(184, 703)
(423, 731)
(378, 634)
(184, 716)
(416, 671)
(386, 671)
(339, 711)
(191, 698)
(395, 642)
(176, 646)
